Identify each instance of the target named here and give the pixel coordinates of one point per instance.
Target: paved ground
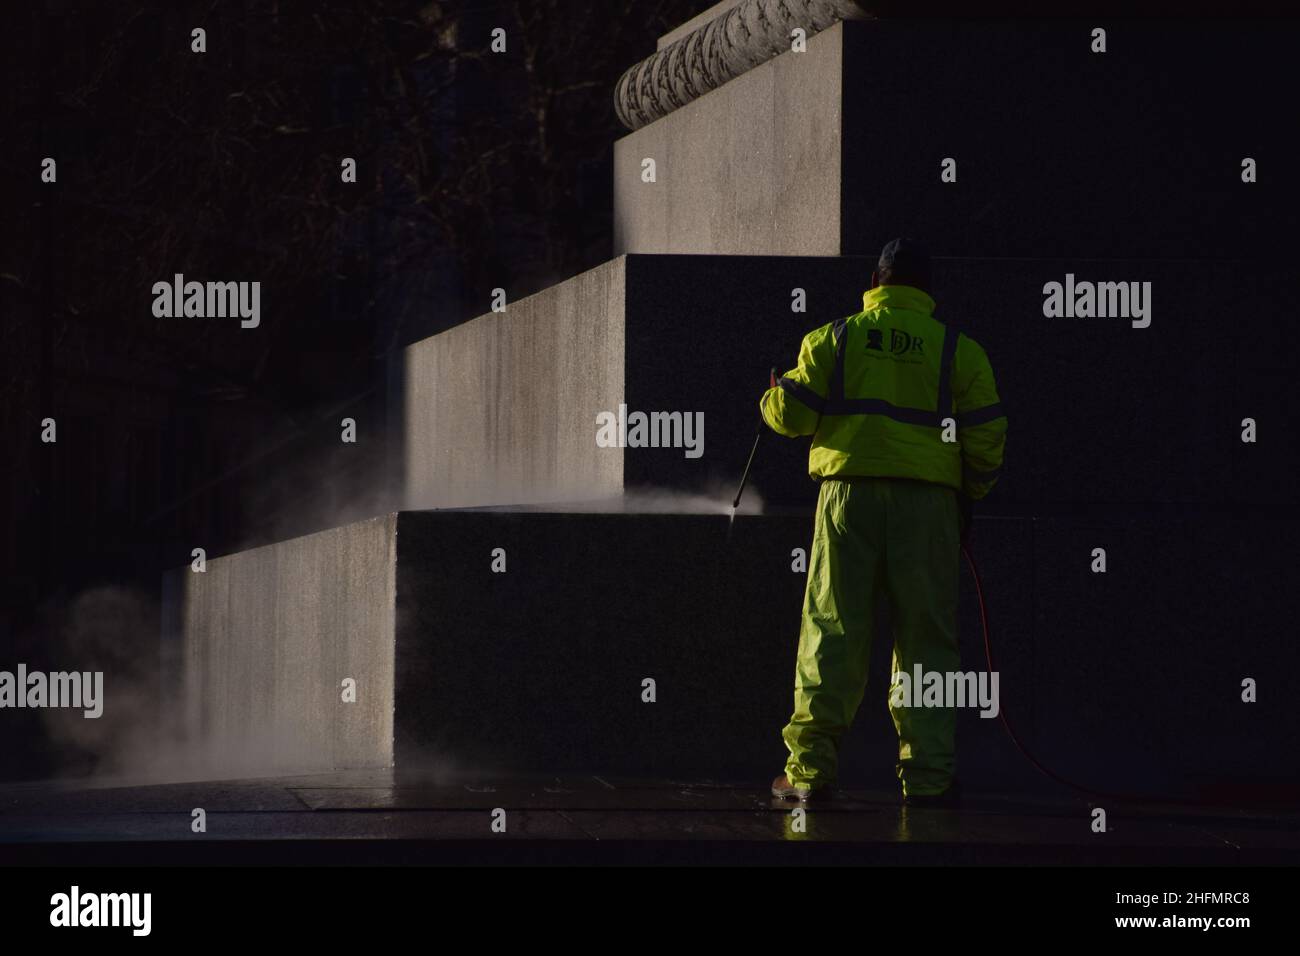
(389, 817)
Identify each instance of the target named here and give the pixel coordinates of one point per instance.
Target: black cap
(904, 262)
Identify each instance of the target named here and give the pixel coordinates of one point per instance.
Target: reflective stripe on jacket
(874, 390)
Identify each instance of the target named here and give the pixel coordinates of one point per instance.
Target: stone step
(1122, 680)
(503, 409)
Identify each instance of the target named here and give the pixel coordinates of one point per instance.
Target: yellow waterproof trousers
(875, 537)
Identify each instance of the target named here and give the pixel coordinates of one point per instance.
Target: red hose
(1015, 739)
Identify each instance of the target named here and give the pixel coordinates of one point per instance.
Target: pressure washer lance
(744, 477)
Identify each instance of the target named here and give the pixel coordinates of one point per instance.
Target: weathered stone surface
(755, 167)
(694, 23)
(747, 34)
(502, 409)
(264, 640)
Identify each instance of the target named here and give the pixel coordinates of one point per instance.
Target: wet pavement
(391, 817)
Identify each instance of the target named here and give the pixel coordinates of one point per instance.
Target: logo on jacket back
(900, 343)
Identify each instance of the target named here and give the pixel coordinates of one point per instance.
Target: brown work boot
(783, 789)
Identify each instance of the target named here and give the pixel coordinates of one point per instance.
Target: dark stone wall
(1134, 153)
(1101, 414)
(1128, 680)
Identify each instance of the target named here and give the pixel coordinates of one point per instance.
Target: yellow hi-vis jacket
(892, 392)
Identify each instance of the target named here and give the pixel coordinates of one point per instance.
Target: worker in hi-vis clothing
(907, 430)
